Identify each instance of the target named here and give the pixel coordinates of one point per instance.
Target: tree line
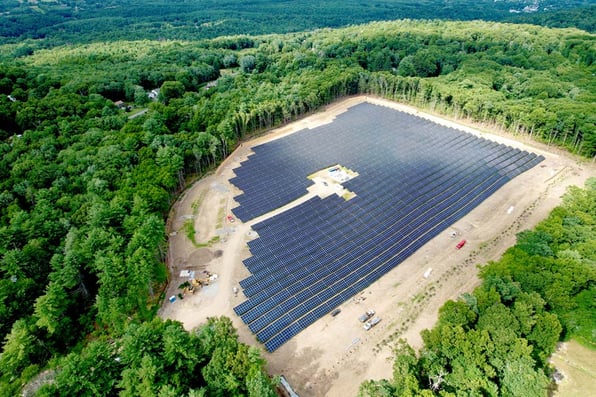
(86, 21)
(85, 187)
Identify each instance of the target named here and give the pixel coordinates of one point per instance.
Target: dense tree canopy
(86, 183)
(159, 358)
(53, 23)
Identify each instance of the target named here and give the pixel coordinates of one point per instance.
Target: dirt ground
(335, 354)
(576, 365)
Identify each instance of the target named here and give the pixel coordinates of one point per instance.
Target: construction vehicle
(199, 282)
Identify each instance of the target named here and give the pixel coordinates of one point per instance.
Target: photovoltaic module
(415, 179)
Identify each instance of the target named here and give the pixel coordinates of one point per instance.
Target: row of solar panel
(507, 169)
(305, 274)
(269, 168)
(334, 222)
(319, 281)
(285, 335)
(289, 224)
(256, 250)
(307, 139)
(278, 202)
(343, 289)
(312, 232)
(307, 142)
(383, 192)
(468, 138)
(328, 223)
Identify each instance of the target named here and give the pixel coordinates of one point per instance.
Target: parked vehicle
(460, 244)
(366, 316)
(371, 323)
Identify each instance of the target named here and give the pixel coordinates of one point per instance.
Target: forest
(86, 186)
(55, 22)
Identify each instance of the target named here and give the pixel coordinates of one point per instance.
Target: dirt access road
(335, 354)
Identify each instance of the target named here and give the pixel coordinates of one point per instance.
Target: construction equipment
(197, 283)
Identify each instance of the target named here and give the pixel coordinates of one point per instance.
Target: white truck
(371, 323)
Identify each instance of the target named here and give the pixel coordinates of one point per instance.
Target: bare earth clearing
(576, 363)
(335, 354)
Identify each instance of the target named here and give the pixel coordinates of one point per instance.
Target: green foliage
(458, 313)
(560, 268)
(18, 349)
(404, 366)
(233, 368)
(160, 358)
(170, 90)
(91, 20)
(93, 371)
(247, 63)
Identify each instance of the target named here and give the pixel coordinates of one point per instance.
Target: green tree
(140, 97)
(230, 60)
(232, 368)
(407, 66)
(247, 63)
(171, 163)
(93, 371)
(520, 378)
(19, 349)
(170, 90)
(405, 371)
(544, 336)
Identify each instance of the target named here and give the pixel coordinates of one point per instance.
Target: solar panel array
(415, 179)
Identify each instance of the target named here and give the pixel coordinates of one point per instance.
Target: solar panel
(415, 179)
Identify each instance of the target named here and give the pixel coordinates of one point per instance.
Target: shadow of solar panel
(415, 179)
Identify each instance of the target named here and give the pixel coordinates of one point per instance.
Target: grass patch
(418, 297)
(209, 243)
(195, 205)
(189, 230)
(221, 213)
(189, 225)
